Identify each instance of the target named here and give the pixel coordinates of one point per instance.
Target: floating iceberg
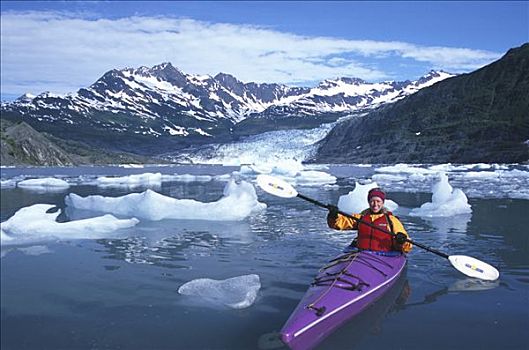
(314, 178)
(292, 171)
(238, 202)
(34, 223)
(446, 201)
(147, 179)
(405, 169)
(4, 238)
(8, 183)
(356, 200)
(44, 183)
(187, 178)
(237, 292)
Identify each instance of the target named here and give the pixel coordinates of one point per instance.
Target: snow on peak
(163, 92)
(433, 77)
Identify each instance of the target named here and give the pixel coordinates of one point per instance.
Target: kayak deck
(341, 289)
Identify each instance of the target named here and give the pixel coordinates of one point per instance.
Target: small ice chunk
(259, 169)
(48, 182)
(8, 183)
(356, 201)
(481, 174)
(131, 165)
(287, 167)
(187, 178)
(446, 201)
(147, 179)
(237, 292)
(35, 250)
(403, 169)
(315, 178)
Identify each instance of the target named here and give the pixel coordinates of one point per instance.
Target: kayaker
(368, 237)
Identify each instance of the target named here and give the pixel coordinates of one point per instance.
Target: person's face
(376, 204)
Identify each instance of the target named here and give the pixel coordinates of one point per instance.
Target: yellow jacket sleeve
(343, 222)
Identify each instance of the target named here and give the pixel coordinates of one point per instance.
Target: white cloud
(61, 52)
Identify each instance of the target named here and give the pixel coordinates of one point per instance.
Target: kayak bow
(341, 290)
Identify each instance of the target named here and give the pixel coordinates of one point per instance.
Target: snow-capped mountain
(163, 102)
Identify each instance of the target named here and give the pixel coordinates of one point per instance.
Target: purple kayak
(342, 289)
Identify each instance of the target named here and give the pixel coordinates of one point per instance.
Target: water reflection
(169, 252)
(444, 226)
(170, 243)
(463, 285)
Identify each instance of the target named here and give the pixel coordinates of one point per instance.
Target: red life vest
(373, 239)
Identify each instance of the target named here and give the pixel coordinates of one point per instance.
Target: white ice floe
(187, 178)
(238, 202)
(237, 292)
(292, 171)
(514, 173)
(448, 167)
(405, 169)
(43, 183)
(476, 180)
(33, 223)
(446, 201)
(481, 174)
(314, 178)
(35, 250)
(131, 166)
(4, 238)
(356, 201)
(8, 183)
(287, 167)
(389, 178)
(147, 179)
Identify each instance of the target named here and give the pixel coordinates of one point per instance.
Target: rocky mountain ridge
(482, 116)
(146, 110)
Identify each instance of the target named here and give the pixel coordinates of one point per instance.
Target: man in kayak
(369, 238)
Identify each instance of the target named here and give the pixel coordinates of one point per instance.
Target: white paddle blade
(276, 186)
(474, 268)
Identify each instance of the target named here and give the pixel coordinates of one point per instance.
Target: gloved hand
(400, 238)
(333, 211)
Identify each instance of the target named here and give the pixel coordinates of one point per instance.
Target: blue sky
(60, 46)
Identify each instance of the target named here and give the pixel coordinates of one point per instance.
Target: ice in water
(43, 183)
(146, 179)
(238, 202)
(446, 201)
(356, 200)
(237, 292)
(34, 223)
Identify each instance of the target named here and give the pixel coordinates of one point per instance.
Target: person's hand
(333, 211)
(400, 238)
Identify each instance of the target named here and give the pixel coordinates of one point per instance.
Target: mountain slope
(20, 144)
(482, 116)
(152, 110)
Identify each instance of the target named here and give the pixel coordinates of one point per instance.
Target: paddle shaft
(326, 206)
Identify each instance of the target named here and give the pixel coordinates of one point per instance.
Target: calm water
(122, 293)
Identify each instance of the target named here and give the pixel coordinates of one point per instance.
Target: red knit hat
(376, 192)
